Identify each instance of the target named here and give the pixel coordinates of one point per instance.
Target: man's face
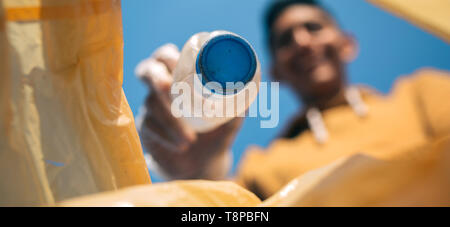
(310, 51)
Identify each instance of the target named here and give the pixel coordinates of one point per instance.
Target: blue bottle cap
(226, 58)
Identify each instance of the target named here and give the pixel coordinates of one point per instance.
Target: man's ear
(350, 49)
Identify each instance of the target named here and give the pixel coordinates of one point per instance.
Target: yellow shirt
(415, 113)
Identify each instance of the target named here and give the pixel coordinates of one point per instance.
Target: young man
(309, 53)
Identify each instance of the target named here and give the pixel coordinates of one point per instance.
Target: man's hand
(180, 152)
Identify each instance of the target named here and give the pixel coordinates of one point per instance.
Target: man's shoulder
(430, 90)
(424, 77)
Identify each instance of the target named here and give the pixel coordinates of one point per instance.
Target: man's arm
(173, 147)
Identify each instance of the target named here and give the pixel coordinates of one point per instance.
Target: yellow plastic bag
(432, 16)
(417, 177)
(66, 128)
(191, 193)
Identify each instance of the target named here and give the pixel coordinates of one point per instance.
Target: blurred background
(389, 47)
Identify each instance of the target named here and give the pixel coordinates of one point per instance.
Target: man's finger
(169, 55)
(166, 125)
(155, 74)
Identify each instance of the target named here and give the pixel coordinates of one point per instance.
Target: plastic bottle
(208, 63)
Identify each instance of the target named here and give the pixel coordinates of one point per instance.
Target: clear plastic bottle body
(204, 108)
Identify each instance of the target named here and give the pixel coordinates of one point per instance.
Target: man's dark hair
(277, 7)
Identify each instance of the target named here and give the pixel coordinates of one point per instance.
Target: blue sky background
(389, 46)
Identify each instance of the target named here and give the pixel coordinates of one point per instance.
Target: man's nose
(302, 37)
